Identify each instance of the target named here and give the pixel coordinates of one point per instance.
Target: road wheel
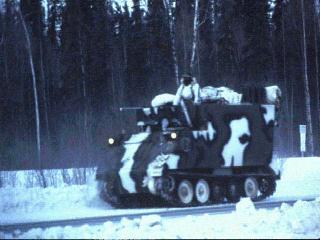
(202, 191)
(264, 185)
(185, 192)
(251, 187)
(267, 186)
(217, 192)
(233, 191)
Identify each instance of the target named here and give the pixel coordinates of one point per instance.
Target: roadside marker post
(303, 131)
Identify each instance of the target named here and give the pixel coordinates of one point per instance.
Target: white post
(302, 130)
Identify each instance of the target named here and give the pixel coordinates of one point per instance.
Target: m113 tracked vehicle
(189, 154)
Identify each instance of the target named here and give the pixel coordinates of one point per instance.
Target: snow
(20, 204)
(302, 220)
(211, 93)
(300, 178)
(162, 99)
(54, 177)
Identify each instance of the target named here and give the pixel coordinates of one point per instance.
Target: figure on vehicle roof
(189, 89)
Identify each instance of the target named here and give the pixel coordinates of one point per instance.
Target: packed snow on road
(21, 201)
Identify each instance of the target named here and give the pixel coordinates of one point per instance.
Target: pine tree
(137, 58)
(257, 62)
(159, 48)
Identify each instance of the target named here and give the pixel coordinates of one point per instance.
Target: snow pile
(210, 93)
(302, 220)
(162, 99)
(32, 204)
(54, 177)
(299, 177)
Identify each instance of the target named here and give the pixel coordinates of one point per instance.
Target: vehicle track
(167, 212)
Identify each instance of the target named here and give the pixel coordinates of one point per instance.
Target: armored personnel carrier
(190, 154)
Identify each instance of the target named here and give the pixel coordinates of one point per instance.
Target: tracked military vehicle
(190, 154)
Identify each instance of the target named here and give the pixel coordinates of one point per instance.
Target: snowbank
(20, 204)
(162, 99)
(53, 177)
(299, 177)
(302, 220)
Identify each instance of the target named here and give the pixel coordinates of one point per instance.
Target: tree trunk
(198, 64)
(306, 84)
(195, 34)
(214, 45)
(84, 95)
(291, 120)
(168, 5)
(290, 134)
(4, 41)
(84, 91)
(185, 51)
(316, 25)
(212, 7)
(35, 93)
(45, 96)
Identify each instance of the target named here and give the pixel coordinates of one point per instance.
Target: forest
(67, 66)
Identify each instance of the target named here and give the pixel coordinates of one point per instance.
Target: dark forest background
(92, 57)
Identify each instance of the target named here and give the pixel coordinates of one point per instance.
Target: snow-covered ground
(28, 204)
(300, 178)
(53, 177)
(299, 221)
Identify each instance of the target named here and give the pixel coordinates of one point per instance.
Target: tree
(257, 62)
(35, 93)
(171, 20)
(159, 47)
(195, 33)
(138, 68)
(306, 83)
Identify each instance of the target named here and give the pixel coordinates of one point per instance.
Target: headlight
(111, 141)
(173, 135)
